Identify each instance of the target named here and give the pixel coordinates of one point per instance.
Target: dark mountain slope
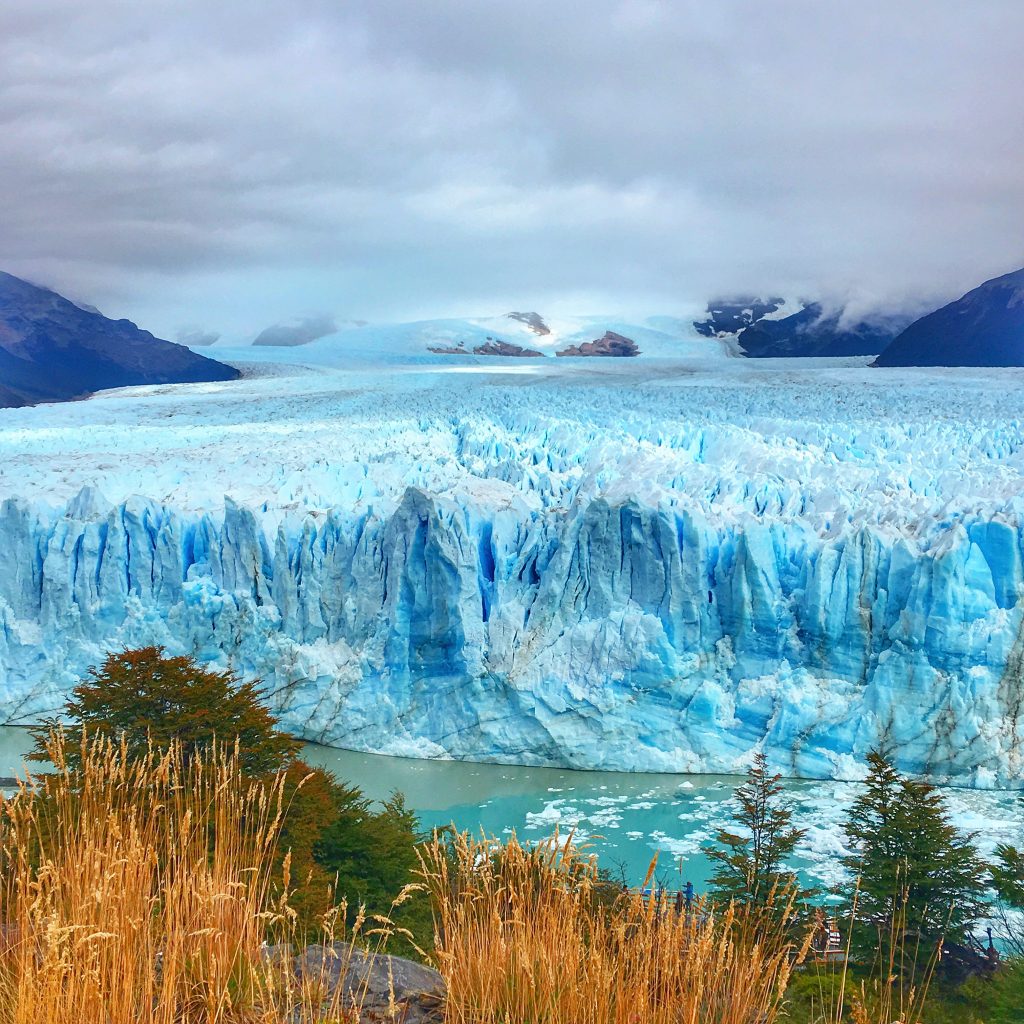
(985, 327)
(813, 332)
(52, 350)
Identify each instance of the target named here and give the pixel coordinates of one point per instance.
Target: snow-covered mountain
(727, 317)
(52, 349)
(603, 563)
(775, 328)
(514, 335)
(985, 327)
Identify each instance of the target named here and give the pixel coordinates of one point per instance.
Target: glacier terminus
(656, 564)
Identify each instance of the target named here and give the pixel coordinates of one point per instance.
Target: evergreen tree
(1008, 875)
(749, 864)
(1008, 882)
(920, 879)
(151, 699)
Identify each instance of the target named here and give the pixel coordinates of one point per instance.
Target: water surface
(624, 817)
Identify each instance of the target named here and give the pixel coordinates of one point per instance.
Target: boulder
(386, 988)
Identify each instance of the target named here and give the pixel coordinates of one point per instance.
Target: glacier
(639, 565)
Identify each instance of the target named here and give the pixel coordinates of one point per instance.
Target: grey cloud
(241, 160)
(195, 337)
(299, 332)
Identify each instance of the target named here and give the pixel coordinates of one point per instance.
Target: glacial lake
(625, 818)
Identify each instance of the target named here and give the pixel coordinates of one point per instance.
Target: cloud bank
(179, 161)
(299, 332)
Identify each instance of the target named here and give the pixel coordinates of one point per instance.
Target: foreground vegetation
(142, 889)
(169, 865)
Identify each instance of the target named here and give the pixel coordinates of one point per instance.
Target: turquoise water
(625, 818)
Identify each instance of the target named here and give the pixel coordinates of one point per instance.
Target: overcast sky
(218, 166)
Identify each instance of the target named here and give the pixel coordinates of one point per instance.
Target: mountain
(52, 349)
(985, 327)
(512, 336)
(813, 332)
(730, 316)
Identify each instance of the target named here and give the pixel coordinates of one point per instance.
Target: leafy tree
(749, 865)
(921, 881)
(332, 837)
(156, 700)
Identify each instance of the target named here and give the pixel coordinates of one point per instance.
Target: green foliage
(334, 842)
(749, 865)
(153, 699)
(811, 994)
(373, 855)
(1008, 875)
(1004, 1000)
(920, 879)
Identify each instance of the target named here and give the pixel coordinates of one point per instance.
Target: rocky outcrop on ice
(52, 349)
(609, 344)
(985, 327)
(532, 320)
(491, 347)
(497, 347)
(815, 331)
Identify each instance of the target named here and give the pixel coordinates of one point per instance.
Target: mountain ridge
(984, 327)
(53, 349)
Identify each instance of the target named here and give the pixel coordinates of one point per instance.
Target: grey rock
(386, 988)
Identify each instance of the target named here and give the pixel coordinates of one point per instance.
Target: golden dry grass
(529, 935)
(141, 892)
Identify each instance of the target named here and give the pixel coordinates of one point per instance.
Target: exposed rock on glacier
(609, 344)
(618, 575)
(730, 316)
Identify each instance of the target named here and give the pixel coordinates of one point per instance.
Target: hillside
(985, 327)
(815, 332)
(52, 350)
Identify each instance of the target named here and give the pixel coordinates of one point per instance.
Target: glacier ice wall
(600, 636)
(661, 597)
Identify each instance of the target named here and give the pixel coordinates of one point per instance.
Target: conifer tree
(1008, 882)
(1008, 875)
(749, 864)
(921, 881)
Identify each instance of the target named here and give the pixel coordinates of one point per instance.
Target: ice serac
(604, 633)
